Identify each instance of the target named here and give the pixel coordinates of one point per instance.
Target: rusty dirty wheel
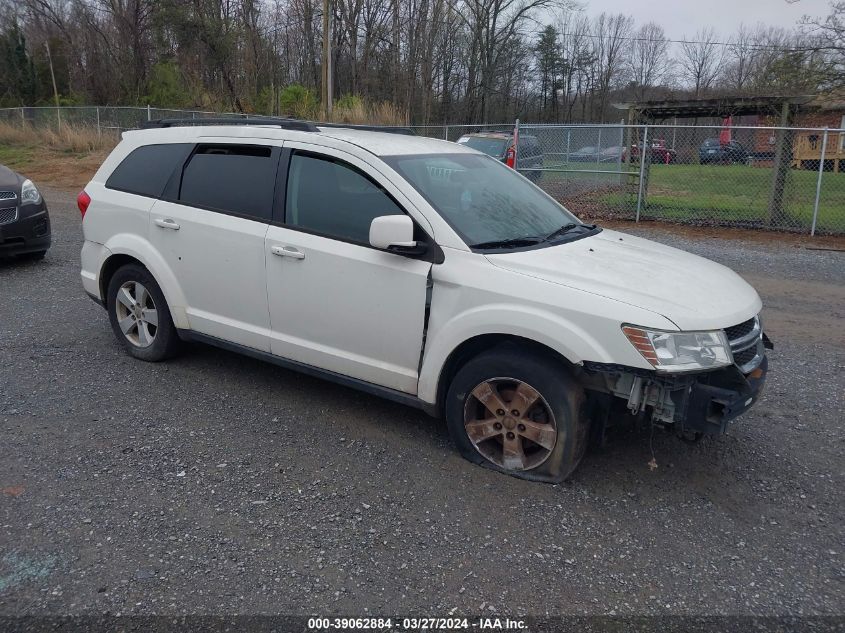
(510, 423)
(518, 411)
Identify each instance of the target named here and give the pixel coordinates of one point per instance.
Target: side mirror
(394, 233)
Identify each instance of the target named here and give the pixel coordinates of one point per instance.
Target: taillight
(82, 201)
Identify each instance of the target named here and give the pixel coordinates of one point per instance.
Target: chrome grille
(743, 329)
(9, 214)
(8, 195)
(746, 340)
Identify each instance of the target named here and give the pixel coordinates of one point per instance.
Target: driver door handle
(287, 251)
(166, 223)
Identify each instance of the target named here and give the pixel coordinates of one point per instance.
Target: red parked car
(659, 152)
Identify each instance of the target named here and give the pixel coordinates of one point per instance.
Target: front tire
(139, 315)
(519, 413)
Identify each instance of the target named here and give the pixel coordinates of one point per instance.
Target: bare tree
(610, 43)
(649, 62)
(578, 59)
(700, 60)
(827, 38)
(740, 59)
(493, 25)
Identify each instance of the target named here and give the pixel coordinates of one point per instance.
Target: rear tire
(139, 314)
(518, 412)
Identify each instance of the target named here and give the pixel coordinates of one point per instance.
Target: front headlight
(680, 351)
(29, 193)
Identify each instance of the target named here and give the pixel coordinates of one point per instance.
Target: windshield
(482, 199)
(490, 146)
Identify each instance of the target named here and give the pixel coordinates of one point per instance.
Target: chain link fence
(113, 119)
(784, 179)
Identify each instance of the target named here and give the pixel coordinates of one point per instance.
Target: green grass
(16, 157)
(716, 193)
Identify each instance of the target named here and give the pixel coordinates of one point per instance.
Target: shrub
(298, 101)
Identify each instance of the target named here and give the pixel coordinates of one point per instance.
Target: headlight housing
(29, 193)
(681, 351)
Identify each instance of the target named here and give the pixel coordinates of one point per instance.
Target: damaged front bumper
(703, 403)
(717, 398)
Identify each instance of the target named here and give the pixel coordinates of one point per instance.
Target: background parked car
(496, 144)
(588, 154)
(24, 220)
(615, 154)
(659, 153)
(712, 151)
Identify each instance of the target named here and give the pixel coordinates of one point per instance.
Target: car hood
(9, 180)
(692, 292)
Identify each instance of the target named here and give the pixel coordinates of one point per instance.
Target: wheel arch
(475, 345)
(128, 249)
(110, 267)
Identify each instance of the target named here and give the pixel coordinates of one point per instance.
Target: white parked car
(419, 270)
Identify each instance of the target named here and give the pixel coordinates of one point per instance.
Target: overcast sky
(683, 17)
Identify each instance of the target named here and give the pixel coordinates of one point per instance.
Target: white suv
(419, 270)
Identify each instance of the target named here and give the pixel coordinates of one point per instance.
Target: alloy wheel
(137, 315)
(510, 423)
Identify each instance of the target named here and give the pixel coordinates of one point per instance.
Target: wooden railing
(807, 150)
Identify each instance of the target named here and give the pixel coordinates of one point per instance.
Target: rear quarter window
(146, 170)
(235, 179)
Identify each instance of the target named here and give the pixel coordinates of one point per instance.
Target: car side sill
(354, 383)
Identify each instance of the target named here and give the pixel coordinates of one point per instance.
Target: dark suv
(24, 221)
(712, 150)
(529, 156)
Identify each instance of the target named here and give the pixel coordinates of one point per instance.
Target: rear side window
(236, 179)
(147, 169)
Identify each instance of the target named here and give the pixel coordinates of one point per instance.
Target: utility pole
(53, 76)
(327, 60)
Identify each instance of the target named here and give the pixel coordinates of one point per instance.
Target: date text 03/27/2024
(416, 624)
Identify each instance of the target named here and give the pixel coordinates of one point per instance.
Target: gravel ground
(215, 483)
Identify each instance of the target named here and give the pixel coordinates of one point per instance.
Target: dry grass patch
(67, 157)
(69, 138)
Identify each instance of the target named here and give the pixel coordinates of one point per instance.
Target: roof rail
(389, 129)
(287, 124)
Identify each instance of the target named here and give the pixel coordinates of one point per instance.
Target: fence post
(148, 112)
(445, 132)
(598, 147)
(819, 184)
(622, 153)
(98, 121)
(643, 149)
(23, 117)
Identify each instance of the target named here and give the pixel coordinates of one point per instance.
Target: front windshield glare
(482, 199)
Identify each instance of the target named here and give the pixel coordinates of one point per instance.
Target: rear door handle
(167, 223)
(287, 251)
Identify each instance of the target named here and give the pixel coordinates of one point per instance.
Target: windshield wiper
(514, 242)
(567, 228)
